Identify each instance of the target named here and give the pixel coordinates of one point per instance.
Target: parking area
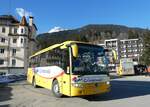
(9, 78)
(125, 91)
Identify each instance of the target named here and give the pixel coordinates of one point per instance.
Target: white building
(113, 44)
(16, 43)
(126, 48)
(131, 48)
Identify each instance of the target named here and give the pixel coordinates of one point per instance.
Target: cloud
(56, 29)
(22, 12)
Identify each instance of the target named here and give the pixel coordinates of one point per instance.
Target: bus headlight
(107, 82)
(77, 85)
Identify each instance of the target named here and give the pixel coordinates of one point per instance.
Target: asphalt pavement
(130, 91)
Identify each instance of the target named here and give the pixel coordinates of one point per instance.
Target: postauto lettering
(87, 79)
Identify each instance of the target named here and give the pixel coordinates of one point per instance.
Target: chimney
(31, 20)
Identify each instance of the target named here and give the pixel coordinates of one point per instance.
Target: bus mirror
(74, 50)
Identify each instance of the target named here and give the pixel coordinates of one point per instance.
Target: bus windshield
(91, 60)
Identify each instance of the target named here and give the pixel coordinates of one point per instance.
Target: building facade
(126, 48)
(113, 44)
(131, 48)
(16, 43)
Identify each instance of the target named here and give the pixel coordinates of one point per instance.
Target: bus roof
(52, 47)
(55, 46)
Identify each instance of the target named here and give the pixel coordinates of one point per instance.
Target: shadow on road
(123, 89)
(5, 94)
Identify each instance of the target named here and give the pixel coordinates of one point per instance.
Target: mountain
(94, 33)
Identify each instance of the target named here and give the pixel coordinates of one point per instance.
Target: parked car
(8, 78)
(148, 70)
(140, 69)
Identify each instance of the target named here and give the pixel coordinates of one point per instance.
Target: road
(129, 91)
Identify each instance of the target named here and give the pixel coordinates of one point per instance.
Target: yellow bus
(70, 68)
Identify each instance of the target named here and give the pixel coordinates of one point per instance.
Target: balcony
(3, 44)
(13, 45)
(3, 56)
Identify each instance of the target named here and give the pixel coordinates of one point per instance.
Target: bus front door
(66, 86)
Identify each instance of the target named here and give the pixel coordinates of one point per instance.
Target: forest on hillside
(91, 33)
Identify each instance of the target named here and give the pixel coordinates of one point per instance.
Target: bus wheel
(56, 89)
(34, 82)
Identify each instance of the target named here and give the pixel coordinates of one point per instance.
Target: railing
(3, 44)
(3, 56)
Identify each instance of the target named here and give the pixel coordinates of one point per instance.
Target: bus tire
(34, 82)
(56, 89)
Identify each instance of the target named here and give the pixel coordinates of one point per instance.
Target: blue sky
(70, 14)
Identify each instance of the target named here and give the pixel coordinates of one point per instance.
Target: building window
(21, 40)
(129, 50)
(129, 45)
(13, 62)
(24, 40)
(26, 31)
(1, 61)
(3, 40)
(15, 30)
(3, 30)
(124, 46)
(22, 30)
(14, 40)
(14, 52)
(2, 50)
(134, 45)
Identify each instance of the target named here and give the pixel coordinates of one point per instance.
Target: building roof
(129, 39)
(23, 21)
(112, 39)
(9, 17)
(35, 26)
(11, 20)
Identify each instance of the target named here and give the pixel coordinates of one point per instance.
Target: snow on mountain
(56, 29)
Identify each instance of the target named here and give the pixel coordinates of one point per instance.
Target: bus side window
(53, 57)
(42, 60)
(30, 64)
(65, 59)
(57, 57)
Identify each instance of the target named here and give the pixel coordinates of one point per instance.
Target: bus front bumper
(89, 89)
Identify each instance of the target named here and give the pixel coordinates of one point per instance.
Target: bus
(70, 68)
(126, 67)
